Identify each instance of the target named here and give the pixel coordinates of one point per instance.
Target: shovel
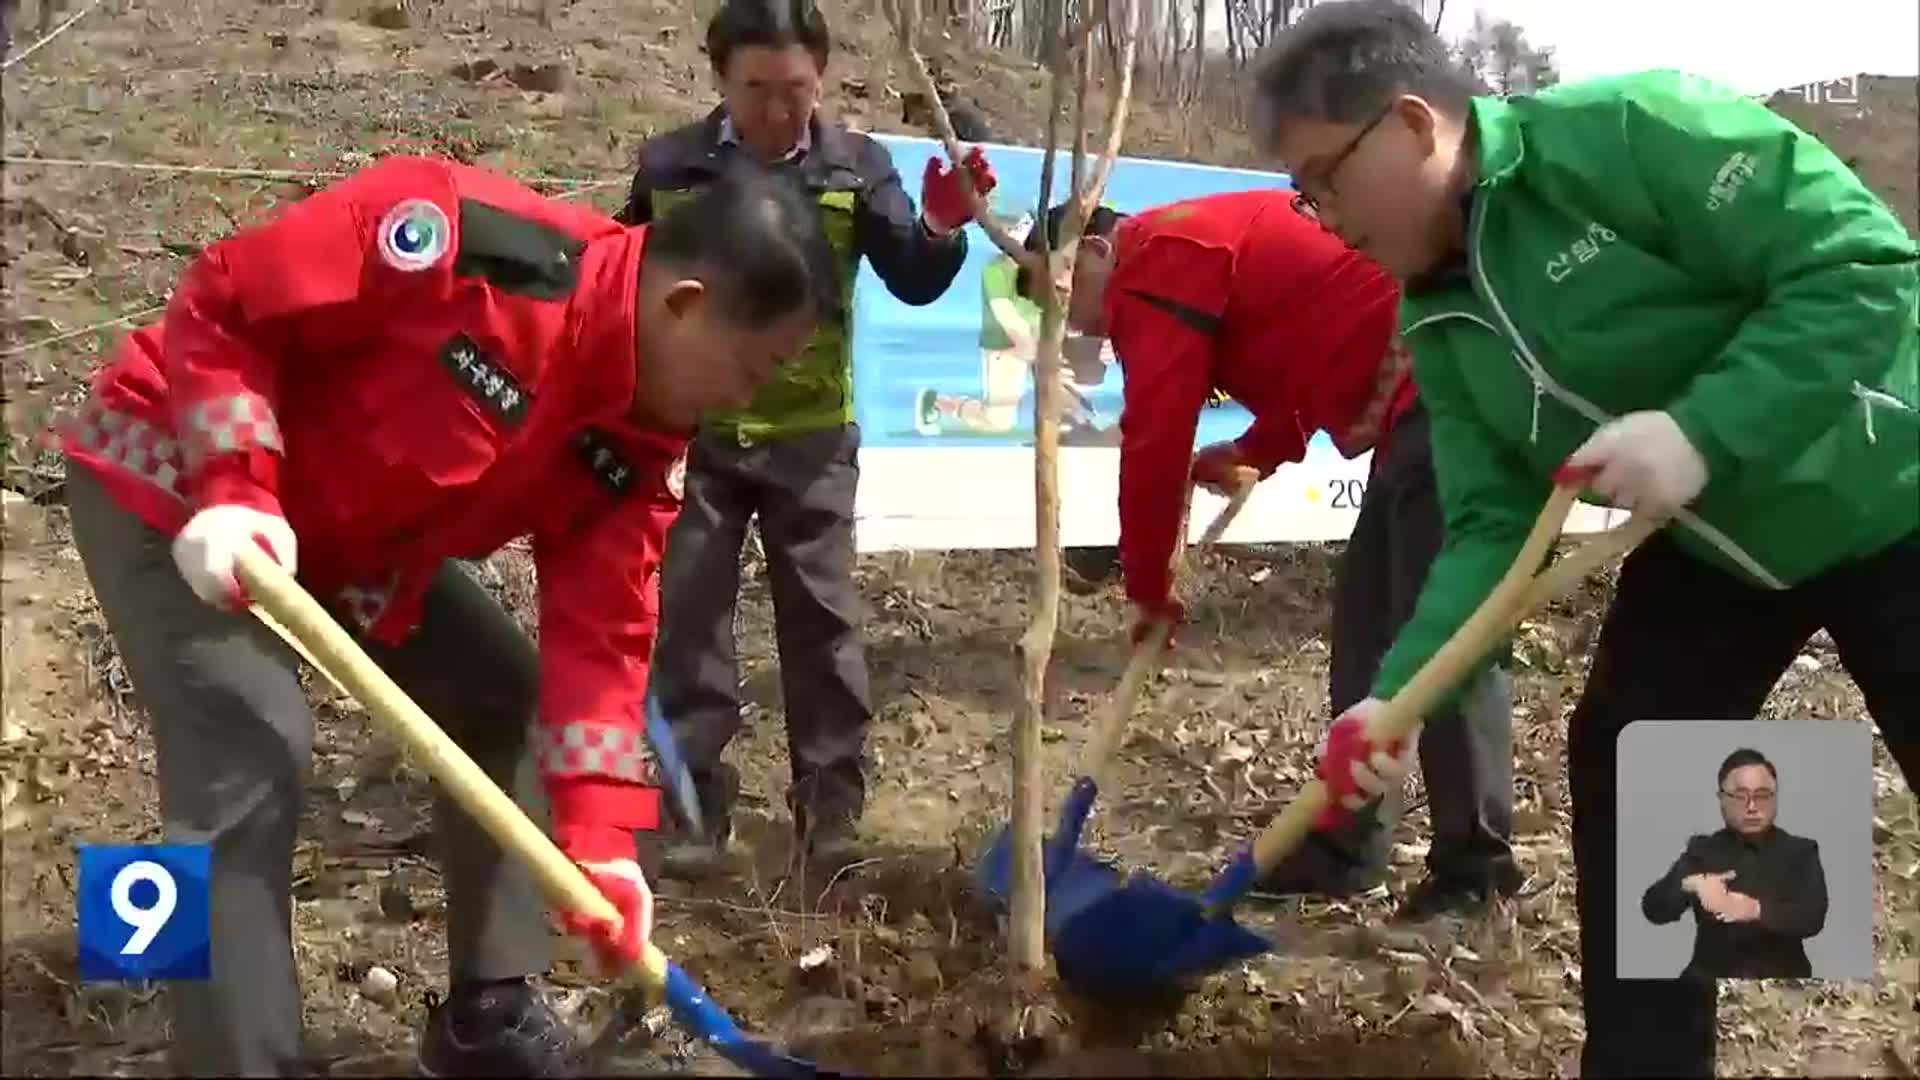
(293, 614)
(1137, 940)
(1063, 865)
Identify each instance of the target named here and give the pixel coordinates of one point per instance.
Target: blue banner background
(900, 351)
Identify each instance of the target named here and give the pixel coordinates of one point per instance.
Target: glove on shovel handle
(1522, 589)
(299, 619)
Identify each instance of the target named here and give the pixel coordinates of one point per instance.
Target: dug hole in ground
(902, 964)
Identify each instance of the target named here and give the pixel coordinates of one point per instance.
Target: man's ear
(683, 296)
(1421, 118)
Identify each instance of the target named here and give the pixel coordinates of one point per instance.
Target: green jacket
(997, 283)
(865, 211)
(1655, 241)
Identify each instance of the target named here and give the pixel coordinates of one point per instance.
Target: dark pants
(802, 489)
(1466, 753)
(234, 739)
(1685, 641)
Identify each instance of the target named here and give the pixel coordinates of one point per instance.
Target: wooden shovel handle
(1522, 589)
(1112, 725)
(287, 608)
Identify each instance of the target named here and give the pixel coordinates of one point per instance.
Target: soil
(898, 966)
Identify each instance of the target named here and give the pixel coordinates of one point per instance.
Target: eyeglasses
(1309, 205)
(1750, 798)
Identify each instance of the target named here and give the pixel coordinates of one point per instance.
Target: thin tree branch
(50, 35)
(904, 14)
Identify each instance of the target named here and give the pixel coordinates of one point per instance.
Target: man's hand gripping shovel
(1140, 939)
(306, 626)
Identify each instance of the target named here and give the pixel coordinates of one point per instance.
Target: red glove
(1355, 771)
(1144, 615)
(1217, 467)
(609, 856)
(944, 202)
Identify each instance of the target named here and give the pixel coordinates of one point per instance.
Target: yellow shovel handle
(287, 608)
(1522, 589)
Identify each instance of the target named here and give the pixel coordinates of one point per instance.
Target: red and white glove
(608, 855)
(1217, 466)
(204, 550)
(1356, 771)
(1642, 462)
(944, 202)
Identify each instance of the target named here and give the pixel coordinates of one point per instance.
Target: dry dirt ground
(912, 976)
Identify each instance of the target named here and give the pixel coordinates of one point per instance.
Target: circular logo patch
(414, 235)
(677, 477)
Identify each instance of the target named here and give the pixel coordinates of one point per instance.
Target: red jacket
(1239, 293)
(422, 362)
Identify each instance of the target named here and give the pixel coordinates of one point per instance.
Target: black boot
(688, 857)
(1460, 896)
(496, 1029)
(1319, 867)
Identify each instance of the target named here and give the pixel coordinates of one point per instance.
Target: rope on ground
(582, 182)
(49, 36)
(129, 317)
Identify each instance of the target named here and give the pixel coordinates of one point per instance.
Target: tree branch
(904, 14)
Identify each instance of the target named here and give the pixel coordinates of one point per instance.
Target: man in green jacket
(790, 457)
(1662, 280)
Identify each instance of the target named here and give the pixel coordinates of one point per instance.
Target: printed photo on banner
(1745, 850)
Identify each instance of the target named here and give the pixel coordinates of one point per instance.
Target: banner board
(943, 394)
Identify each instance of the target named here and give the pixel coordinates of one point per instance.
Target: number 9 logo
(147, 922)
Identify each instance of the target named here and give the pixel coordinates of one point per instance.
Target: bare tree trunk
(1439, 13)
(1199, 49)
(1027, 922)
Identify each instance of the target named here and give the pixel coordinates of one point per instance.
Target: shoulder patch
(414, 235)
(485, 381)
(516, 254)
(607, 465)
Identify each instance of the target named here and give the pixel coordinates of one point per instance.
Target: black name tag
(493, 386)
(607, 465)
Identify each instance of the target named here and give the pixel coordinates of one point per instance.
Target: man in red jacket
(1236, 293)
(414, 366)
(1244, 294)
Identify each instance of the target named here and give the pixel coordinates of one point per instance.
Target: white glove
(1646, 464)
(204, 550)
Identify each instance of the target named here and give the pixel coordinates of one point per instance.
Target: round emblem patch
(677, 477)
(414, 235)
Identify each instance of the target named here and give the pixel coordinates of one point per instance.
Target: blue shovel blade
(1144, 938)
(700, 1015)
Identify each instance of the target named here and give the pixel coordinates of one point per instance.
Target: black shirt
(1780, 870)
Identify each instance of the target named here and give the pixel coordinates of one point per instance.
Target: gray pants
(1466, 754)
(235, 737)
(802, 489)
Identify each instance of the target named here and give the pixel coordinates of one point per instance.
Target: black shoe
(1459, 897)
(497, 1029)
(828, 842)
(688, 857)
(1318, 868)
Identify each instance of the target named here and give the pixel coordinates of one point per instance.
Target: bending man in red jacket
(1236, 293)
(413, 366)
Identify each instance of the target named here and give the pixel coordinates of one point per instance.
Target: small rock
(277, 39)
(923, 974)
(1807, 663)
(853, 87)
(667, 34)
(475, 70)
(817, 968)
(378, 985)
(389, 16)
(395, 902)
(540, 78)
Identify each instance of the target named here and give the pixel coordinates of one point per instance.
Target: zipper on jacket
(1868, 398)
(1518, 348)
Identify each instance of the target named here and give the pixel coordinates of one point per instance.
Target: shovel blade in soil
(1140, 940)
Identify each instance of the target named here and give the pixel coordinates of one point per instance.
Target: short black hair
(1742, 758)
(756, 242)
(1346, 60)
(1102, 222)
(766, 24)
